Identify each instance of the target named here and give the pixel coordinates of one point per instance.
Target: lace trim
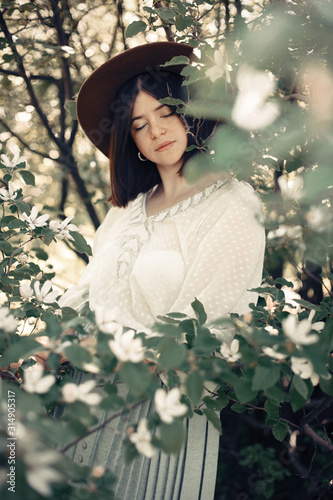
(141, 226)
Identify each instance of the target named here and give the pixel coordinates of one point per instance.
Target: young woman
(164, 242)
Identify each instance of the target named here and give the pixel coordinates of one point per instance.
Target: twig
(73, 443)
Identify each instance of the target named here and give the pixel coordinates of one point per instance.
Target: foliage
(271, 82)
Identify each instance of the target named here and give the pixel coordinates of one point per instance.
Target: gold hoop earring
(140, 157)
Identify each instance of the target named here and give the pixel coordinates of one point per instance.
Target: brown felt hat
(98, 93)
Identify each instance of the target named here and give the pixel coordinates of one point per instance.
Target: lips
(165, 145)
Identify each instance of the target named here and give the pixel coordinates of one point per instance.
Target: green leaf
(78, 355)
(175, 61)
(70, 106)
(214, 419)
(194, 387)
(243, 391)
(276, 393)
(112, 402)
(238, 408)
(166, 15)
(135, 27)
(296, 400)
(23, 348)
(308, 305)
(17, 224)
(265, 376)
(326, 385)
(280, 430)
(272, 412)
(22, 206)
(300, 386)
(80, 243)
(6, 247)
(7, 178)
(199, 310)
(136, 376)
(172, 355)
(172, 436)
(28, 177)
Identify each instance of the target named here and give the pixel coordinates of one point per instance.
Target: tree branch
(104, 424)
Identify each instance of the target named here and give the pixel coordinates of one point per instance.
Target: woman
(164, 242)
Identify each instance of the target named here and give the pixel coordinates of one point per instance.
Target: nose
(156, 129)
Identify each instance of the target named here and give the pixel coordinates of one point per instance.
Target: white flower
(168, 405)
(41, 478)
(16, 160)
(272, 353)
(63, 228)
(72, 392)
(126, 348)
(292, 232)
(318, 325)
(297, 331)
(142, 439)
(318, 218)
(40, 473)
(8, 194)
(271, 330)
(26, 291)
(33, 220)
(45, 295)
(250, 111)
(291, 188)
(7, 321)
(230, 352)
(304, 368)
(105, 321)
(34, 380)
(23, 259)
(220, 68)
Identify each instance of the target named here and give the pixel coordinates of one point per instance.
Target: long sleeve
(78, 294)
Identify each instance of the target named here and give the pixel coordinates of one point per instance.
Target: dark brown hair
(129, 175)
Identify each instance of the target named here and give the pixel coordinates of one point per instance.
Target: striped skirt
(188, 475)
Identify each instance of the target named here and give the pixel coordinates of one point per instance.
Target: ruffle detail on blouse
(141, 226)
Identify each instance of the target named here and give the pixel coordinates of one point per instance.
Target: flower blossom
(34, 380)
(271, 330)
(220, 68)
(33, 220)
(7, 321)
(63, 228)
(44, 294)
(304, 368)
(16, 160)
(142, 439)
(72, 392)
(26, 291)
(291, 188)
(40, 471)
(298, 331)
(272, 353)
(292, 232)
(230, 352)
(250, 111)
(318, 218)
(168, 405)
(126, 348)
(8, 194)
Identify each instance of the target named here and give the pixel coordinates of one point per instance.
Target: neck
(173, 185)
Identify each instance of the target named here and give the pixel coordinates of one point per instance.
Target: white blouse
(209, 246)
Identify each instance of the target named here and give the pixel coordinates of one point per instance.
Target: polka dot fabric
(209, 246)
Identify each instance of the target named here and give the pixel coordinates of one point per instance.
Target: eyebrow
(141, 116)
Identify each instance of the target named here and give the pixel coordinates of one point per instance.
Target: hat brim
(99, 91)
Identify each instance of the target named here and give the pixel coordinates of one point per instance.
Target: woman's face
(158, 133)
